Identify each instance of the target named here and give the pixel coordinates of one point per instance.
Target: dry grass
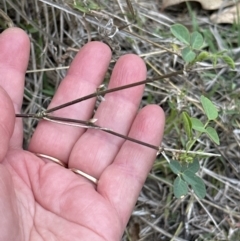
(56, 29)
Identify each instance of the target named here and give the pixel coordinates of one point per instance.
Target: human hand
(40, 200)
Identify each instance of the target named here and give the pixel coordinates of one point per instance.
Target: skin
(41, 200)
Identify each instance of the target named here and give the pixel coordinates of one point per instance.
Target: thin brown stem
(87, 124)
(44, 114)
(101, 93)
(27, 116)
(90, 124)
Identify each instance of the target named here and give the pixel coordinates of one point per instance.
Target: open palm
(40, 200)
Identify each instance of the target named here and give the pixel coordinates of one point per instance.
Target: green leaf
(184, 167)
(189, 177)
(213, 135)
(196, 40)
(180, 188)
(194, 166)
(188, 55)
(209, 108)
(199, 188)
(196, 183)
(202, 56)
(187, 124)
(181, 33)
(229, 61)
(175, 166)
(197, 124)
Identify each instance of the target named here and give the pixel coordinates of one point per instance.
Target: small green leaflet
(194, 166)
(199, 188)
(196, 183)
(184, 166)
(180, 188)
(181, 33)
(213, 135)
(197, 124)
(209, 108)
(188, 55)
(175, 166)
(196, 40)
(186, 176)
(187, 124)
(189, 177)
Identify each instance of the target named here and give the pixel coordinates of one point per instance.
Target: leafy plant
(212, 114)
(187, 176)
(194, 42)
(187, 166)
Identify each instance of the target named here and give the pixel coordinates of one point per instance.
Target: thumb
(7, 120)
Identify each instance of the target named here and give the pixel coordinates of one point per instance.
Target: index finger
(14, 55)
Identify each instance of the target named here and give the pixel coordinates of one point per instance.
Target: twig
(101, 93)
(90, 124)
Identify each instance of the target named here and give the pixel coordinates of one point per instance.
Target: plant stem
(67, 121)
(101, 93)
(89, 124)
(27, 116)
